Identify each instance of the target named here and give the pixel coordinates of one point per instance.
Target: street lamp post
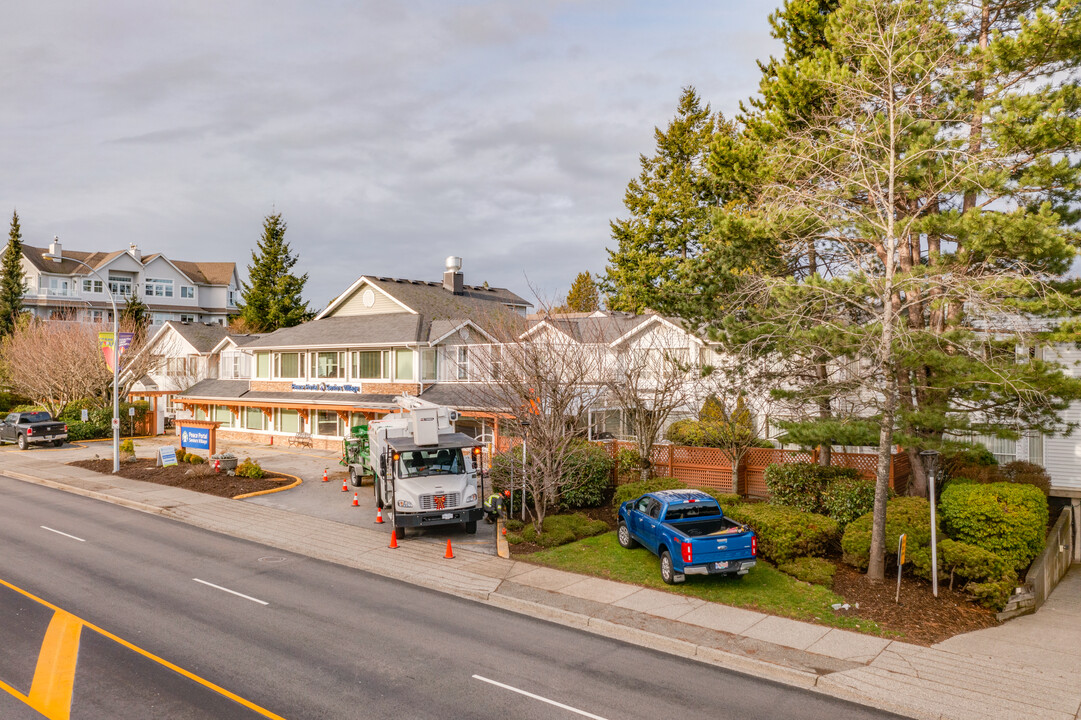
(57, 257)
(929, 458)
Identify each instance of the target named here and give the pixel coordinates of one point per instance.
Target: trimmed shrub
(725, 499)
(1020, 472)
(816, 571)
(100, 423)
(1005, 519)
(990, 579)
(197, 459)
(846, 498)
(587, 476)
(801, 485)
(908, 515)
(249, 469)
(785, 533)
(127, 446)
(558, 530)
(632, 491)
(79, 430)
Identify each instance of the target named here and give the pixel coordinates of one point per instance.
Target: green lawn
(764, 588)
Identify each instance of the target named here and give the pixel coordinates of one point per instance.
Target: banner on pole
(108, 346)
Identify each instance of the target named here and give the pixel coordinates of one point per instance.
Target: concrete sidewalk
(1002, 672)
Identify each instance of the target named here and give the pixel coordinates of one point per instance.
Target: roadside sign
(84, 415)
(166, 456)
(131, 412)
(116, 423)
(902, 542)
(193, 437)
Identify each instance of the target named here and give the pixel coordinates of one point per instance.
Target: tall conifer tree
(12, 279)
(583, 295)
(273, 298)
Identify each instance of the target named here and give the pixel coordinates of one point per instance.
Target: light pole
(525, 459)
(57, 257)
(929, 458)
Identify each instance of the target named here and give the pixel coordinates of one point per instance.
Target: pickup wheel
(668, 573)
(624, 537)
(354, 479)
(22, 442)
(58, 443)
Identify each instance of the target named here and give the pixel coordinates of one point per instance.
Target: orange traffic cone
(356, 503)
(393, 540)
(379, 516)
(344, 487)
(325, 478)
(450, 553)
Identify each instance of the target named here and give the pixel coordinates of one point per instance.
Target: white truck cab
(425, 473)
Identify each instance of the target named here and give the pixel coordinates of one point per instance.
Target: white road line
(538, 697)
(231, 592)
(62, 533)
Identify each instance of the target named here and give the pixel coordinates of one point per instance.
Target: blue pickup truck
(690, 533)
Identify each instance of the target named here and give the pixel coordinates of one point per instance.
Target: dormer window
(119, 285)
(156, 287)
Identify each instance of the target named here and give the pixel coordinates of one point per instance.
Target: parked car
(688, 531)
(24, 428)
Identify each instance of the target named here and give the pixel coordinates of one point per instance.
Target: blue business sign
(198, 438)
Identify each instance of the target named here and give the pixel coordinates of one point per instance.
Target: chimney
(54, 247)
(134, 250)
(452, 278)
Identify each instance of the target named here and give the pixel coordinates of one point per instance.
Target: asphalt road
(307, 639)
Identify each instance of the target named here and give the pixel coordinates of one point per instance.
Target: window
(156, 287)
(328, 365)
(187, 318)
(224, 415)
(403, 364)
(60, 287)
(262, 365)
(1035, 448)
(287, 365)
(418, 463)
(497, 360)
(429, 364)
(254, 419)
(92, 286)
(187, 291)
(463, 362)
(357, 419)
(232, 298)
(119, 285)
(289, 421)
(367, 365)
(199, 413)
(326, 423)
(97, 316)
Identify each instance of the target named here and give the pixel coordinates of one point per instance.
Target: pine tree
(134, 318)
(583, 295)
(670, 204)
(273, 299)
(12, 279)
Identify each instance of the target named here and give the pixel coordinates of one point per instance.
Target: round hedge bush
(587, 476)
(908, 515)
(785, 533)
(1009, 520)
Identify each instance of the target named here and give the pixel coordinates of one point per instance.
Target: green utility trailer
(356, 454)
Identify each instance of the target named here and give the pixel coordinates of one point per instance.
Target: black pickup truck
(23, 428)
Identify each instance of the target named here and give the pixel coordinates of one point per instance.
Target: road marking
(62, 533)
(134, 648)
(538, 697)
(54, 677)
(232, 592)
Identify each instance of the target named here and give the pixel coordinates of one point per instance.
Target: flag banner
(106, 341)
(125, 341)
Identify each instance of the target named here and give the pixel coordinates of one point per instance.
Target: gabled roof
(608, 328)
(421, 296)
(200, 273)
(204, 338)
(387, 329)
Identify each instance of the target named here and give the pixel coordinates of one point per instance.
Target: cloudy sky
(388, 134)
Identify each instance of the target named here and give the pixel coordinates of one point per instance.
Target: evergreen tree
(583, 295)
(12, 279)
(273, 299)
(670, 204)
(134, 318)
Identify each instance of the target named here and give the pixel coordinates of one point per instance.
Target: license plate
(720, 565)
(448, 516)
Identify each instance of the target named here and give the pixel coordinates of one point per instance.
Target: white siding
(354, 305)
(1062, 455)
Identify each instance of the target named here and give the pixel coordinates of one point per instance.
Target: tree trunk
(876, 566)
(918, 485)
(735, 475)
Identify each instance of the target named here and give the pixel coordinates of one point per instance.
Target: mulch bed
(200, 478)
(922, 618)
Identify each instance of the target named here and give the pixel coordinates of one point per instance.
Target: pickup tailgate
(722, 546)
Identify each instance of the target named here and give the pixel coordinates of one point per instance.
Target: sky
(389, 135)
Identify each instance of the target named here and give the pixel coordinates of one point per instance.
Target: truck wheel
(354, 479)
(668, 574)
(22, 442)
(378, 495)
(58, 443)
(399, 532)
(624, 536)
(471, 527)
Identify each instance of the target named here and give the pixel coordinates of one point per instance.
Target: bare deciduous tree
(54, 363)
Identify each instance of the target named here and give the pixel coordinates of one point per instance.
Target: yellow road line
(54, 677)
(63, 632)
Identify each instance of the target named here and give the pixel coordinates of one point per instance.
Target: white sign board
(131, 412)
(84, 415)
(166, 456)
(116, 423)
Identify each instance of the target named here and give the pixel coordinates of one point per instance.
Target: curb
(93, 494)
(271, 490)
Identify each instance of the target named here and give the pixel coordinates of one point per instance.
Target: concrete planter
(226, 463)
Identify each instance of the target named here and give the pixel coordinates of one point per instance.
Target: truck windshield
(440, 461)
(36, 417)
(692, 510)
